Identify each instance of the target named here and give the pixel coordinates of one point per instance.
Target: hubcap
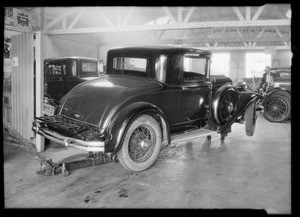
(142, 143)
(276, 108)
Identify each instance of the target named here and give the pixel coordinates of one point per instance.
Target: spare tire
(227, 106)
(250, 119)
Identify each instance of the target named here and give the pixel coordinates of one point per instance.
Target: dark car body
(282, 77)
(171, 84)
(64, 73)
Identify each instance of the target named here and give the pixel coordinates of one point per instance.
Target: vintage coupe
(150, 96)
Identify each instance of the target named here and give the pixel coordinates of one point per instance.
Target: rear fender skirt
(120, 124)
(216, 99)
(245, 100)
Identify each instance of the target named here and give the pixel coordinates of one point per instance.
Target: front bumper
(39, 127)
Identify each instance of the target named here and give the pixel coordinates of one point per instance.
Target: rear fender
(276, 89)
(125, 117)
(245, 100)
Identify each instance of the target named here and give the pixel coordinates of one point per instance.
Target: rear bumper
(94, 146)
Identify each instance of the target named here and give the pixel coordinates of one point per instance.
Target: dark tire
(277, 107)
(141, 145)
(250, 119)
(228, 105)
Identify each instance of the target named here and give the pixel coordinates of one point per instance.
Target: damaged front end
(70, 133)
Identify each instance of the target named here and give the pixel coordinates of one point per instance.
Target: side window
(70, 68)
(194, 68)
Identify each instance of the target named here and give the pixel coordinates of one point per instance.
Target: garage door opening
(220, 64)
(256, 63)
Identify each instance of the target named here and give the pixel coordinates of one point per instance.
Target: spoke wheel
(141, 145)
(277, 108)
(228, 105)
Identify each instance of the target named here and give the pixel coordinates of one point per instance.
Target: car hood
(91, 101)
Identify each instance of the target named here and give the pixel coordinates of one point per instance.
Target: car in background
(277, 97)
(276, 101)
(64, 73)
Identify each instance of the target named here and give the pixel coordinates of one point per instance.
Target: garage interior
(239, 173)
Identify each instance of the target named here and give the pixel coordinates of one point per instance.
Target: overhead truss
(181, 22)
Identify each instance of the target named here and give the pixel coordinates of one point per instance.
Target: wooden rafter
(59, 18)
(168, 12)
(128, 15)
(189, 14)
(238, 13)
(258, 12)
(194, 25)
(76, 19)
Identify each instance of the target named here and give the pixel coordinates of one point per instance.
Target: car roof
(160, 50)
(72, 57)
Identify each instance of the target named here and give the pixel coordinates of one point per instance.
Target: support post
(39, 79)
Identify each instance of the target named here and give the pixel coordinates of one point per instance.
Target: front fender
(124, 118)
(245, 100)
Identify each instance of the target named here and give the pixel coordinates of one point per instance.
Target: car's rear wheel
(250, 119)
(277, 107)
(141, 145)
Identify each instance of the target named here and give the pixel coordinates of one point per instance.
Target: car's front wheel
(141, 145)
(277, 107)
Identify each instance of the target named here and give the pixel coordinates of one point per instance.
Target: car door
(194, 93)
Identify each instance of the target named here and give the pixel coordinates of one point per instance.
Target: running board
(192, 135)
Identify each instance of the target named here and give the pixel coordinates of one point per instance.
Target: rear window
(53, 69)
(130, 66)
(89, 69)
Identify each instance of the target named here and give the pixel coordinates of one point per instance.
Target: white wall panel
(22, 84)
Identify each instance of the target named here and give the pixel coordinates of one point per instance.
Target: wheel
(141, 145)
(250, 119)
(277, 107)
(228, 105)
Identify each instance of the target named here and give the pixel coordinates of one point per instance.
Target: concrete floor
(242, 172)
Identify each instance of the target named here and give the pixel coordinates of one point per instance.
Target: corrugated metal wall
(23, 84)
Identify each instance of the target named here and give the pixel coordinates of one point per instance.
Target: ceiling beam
(258, 12)
(128, 15)
(207, 41)
(59, 18)
(280, 35)
(248, 13)
(76, 19)
(193, 25)
(179, 18)
(189, 14)
(244, 48)
(168, 12)
(105, 17)
(238, 13)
